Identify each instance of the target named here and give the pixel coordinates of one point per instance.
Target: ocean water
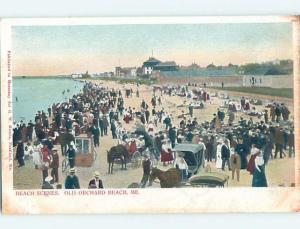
(35, 94)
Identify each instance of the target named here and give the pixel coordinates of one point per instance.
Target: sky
(55, 50)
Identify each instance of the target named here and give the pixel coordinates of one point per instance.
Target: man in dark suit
(146, 170)
(72, 181)
(279, 141)
(96, 182)
(20, 153)
(96, 135)
(71, 156)
(54, 165)
(225, 153)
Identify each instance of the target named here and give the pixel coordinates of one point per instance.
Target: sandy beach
(279, 172)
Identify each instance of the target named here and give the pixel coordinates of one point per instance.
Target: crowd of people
(97, 109)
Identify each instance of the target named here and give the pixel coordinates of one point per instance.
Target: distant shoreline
(41, 77)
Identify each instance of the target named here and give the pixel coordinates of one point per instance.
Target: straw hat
(96, 174)
(72, 170)
(48, 178)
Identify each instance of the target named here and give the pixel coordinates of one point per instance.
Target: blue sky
(51, 50)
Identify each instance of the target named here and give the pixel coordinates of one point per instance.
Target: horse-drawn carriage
(85, 150)
(193, 154)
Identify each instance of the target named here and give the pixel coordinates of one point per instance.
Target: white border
(154, 200)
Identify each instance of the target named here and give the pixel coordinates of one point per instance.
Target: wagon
(193, 154)
(85, 151)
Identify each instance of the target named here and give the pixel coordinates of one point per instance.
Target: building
(154, 64)
(166, 66)
(76, 76)
(126, 72)
(149, 64)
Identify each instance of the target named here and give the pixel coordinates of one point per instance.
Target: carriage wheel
(64, 165)
(95, 155)
(135, 160)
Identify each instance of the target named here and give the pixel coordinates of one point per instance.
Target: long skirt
(259, 177)
(166, 156)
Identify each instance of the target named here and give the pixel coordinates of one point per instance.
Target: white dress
(219, 157)
(37, 157)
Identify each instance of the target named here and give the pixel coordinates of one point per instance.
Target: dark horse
(117, 152)
(168, 179)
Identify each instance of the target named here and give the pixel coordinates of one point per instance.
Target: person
(225, 152)
(181, 165)
(266, 116)
(285, 112)
(37, 158)
(47, 183)
(241, 150)
(291, 143)
(278, 112)
(72, 181)
(166, 153)
(30, 130)
(105, 124)
(54, 165)
(147, 115)
(209, 148)
(96, 182)
(146, 170)
(251, 164)
(49, 111)
(231, 118)
(268, 147)
(172, 135)
(217, 123)
(28, 150)
(20, 154)
(151, 129)
(113, 128)
(242, 103)
(96, 135)
(191, 110)
(259, 177)
(71, 155)
(167, 122)
(279, 141)
(219, 154)
(235, 161)
(46, 161)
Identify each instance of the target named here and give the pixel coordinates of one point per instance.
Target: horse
(168, 179)
(117, 152)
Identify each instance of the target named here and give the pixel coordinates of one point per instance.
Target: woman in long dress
(259, 175)
(182, 166)
(166, 153)
(256, 167)
(219, 155)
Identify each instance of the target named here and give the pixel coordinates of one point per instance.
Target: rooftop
(166, 64)
(152, 60)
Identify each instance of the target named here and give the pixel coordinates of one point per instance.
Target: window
(82, 146)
